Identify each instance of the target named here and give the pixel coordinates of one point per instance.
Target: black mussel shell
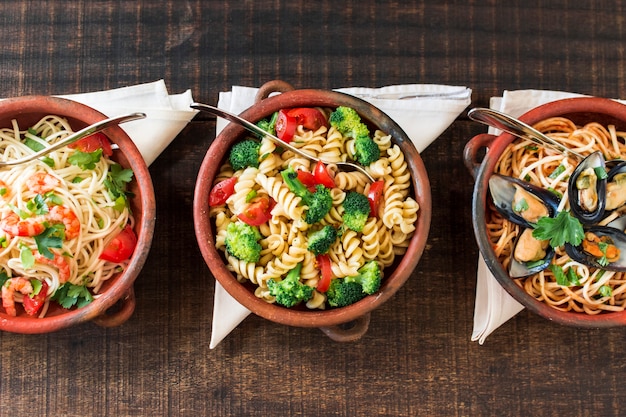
(619, 239)
(595, 161)
(502, 189)
(524, 269)
(619, 169)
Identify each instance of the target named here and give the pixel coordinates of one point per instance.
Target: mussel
(530, 255)
(521, 202)
(587, 189)
(603, 247)
(616, 187)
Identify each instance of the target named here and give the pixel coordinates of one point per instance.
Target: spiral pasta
(284, 236)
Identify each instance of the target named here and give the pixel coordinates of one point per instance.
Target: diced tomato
(221, 191)
(92, 143)
(121, 247)
(374, 195)
(306, 178)
(323, 261)
(285, 126)
(309, 117)
(257, 212)
(323, 175)
(32, 304)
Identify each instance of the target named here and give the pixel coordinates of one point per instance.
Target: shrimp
(42, 182)
(58, 262)
(65, 215)
(17, 284)
(14, 226)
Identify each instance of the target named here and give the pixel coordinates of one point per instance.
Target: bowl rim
(309, 318)
(19, 106)
(582, 107)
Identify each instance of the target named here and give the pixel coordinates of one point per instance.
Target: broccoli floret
(319, 202)
(321, 240)
(269, 125)
(356, 208)
(369, 277)
(244, 154)
(242, 241)
(366, 151)
(342, 293)
(347, 121)
(290, 291)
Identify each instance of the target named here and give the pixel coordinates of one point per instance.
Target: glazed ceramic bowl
(116, 302)
(334, 322)
(580, 111)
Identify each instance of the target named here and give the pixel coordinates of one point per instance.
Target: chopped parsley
(116, 182)
(85, 160)
(605, 291)
(520, 206)
(51, 237)
(563, 278)
(558, 171)
(559, 230)
(27, 257)
(69, 295)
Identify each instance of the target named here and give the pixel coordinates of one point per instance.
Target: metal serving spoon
(344, 166)
(518, 128)
(89, 130)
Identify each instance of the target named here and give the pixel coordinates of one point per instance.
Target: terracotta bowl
(334, 322)
(579, 110)
(116, 302)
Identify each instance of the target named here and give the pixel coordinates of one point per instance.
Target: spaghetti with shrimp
(58, 214)
(595, 290)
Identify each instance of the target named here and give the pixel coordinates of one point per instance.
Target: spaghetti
(596, 290)
(58, 215)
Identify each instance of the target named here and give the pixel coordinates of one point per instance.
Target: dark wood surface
(417, 357)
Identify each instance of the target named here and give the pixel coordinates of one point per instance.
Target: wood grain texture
(416, 358)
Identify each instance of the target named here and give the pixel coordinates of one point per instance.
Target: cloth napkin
(494, 306)
(166, 115)
(423, 111)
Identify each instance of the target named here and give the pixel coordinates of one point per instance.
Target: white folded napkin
(494, 306)
(423, 111)
(166, 115)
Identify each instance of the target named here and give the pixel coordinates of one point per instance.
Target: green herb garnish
(559, 230)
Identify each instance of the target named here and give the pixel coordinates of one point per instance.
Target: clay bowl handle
(274, 86)
(471, 155)
(125, 308)
(350, 331)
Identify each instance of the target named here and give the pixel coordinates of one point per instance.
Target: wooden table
(417, 357)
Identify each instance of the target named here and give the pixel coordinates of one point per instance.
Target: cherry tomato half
(323, 262)
(285, 126)
(92, 143)
(309, 117)
(374, 195)
(33, 304)
(221, 191)
(257, 212)
(323, 175)
(306, 178)
(121, 247)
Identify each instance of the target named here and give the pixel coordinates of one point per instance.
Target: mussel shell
(502, 189)
(595, 160)
(619, 168)
(619, 240)
(525, 269)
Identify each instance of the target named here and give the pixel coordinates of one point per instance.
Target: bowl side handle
(350, 331)
(472, 151)
(127, 307)
(274, 86)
